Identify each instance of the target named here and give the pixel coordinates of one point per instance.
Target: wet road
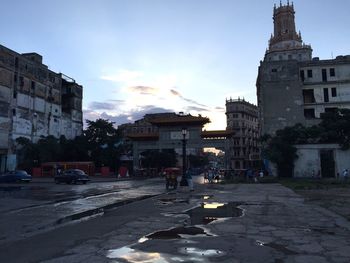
(29, 209)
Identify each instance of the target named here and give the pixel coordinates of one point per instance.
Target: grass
(294, 183)
(313, 183)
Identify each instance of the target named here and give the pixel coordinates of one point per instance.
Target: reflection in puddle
(133, 256)
(278, 247)
(177, 232)
(211, 211)
(213, 205)
(201, 252)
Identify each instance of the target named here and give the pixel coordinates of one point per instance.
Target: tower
(286, 43)
(279, 89)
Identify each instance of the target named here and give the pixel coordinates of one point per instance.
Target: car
(15, 176)
(72, 176)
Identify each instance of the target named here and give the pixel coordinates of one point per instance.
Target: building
(242, 119)
(164, 131)
(34, 102)
(293, 87)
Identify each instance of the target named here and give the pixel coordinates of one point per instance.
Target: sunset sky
(135, 57)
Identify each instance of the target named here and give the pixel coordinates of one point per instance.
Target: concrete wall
(308, 164)
(280, 99)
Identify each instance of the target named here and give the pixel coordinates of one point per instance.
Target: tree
(103, 140)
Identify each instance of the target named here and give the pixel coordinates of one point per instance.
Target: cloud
(144, 90)
(178, 94)
(95, 105)
(194, 108)
(125, 117)
(221, 109)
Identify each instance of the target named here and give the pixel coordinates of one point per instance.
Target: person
(188, 177)
(261, 174)
(345, 174)
(210, 175)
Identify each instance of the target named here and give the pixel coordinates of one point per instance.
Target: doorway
(327, 163)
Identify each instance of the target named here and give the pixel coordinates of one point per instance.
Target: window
(332, 72)
(309, 113)
(324, 75)
(274, 70)
(14, 94)
(21, 81)
(334, 92)
(308, 96)
(302, 75)
(309, 73)
(33, 85)
(14, 112)
(325, 95)
(289, 56)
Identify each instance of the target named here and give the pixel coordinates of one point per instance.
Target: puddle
(201, 252)
(189, 254)
(204, 197)
(278, 247)
(128, 254)
(178, 232)
(211, 211)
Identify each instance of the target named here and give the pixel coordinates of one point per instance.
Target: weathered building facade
(34, 102)
(293, 87)
(242, 119)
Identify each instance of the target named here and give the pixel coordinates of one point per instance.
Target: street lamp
(184, 133)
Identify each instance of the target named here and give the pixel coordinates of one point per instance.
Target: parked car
(15, 176)
(72, 176)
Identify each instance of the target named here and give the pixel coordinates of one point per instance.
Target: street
(139, 221)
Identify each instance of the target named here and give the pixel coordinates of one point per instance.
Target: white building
(34, 102)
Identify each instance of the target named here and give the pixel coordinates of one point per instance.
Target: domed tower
(286, 43)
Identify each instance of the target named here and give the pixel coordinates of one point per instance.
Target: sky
(135, 57)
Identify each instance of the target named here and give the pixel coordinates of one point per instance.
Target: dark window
(325, 95)
(324, 75)
(16, 62)
(308, 96)
(309, 113)
(309, 73)
(331, 72)
(274, 70)
(302, 75)
(14, 94)
(15, 78)
(21, 81)
(14, 112)
(33, 84)
(334, 92)
(289, 56)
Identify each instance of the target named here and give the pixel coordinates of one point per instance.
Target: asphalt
(274, 225)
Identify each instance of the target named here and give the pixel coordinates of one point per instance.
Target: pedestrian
(345, 174)
(261, 174)
(188, 177)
